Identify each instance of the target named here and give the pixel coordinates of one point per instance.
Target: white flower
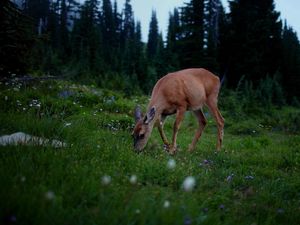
(166, 204)
(50, 195)
(189, 183)
(133, 179)
(171, 164)
(106, 180)
(23, 179)
(67, 124)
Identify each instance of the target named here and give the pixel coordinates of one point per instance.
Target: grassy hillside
(98, 178)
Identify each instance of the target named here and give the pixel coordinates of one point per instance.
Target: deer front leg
(179, 117)
(160, 127)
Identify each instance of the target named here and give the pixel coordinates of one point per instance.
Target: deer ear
(137, 113)
(150, 115)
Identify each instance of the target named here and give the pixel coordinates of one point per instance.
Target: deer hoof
(191, 148)
(166, 147)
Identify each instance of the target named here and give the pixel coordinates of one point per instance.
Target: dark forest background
(101, 42)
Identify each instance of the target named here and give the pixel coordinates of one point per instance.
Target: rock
(21, 138)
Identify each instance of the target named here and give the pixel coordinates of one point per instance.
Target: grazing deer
(176, 93)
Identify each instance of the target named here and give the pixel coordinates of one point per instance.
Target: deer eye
(141, 136)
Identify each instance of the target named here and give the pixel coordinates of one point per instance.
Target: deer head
(143, 127)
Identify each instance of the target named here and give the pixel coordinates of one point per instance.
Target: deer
(176, 93)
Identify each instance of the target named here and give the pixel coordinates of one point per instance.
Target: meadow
(97, 178)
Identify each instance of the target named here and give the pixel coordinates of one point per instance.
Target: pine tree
(108, 27)
(153, 38)
(128, 40)
(254, 45)
(87, 39)
(213, 12)
(173, 35)
(140, 58)
(16, 40)
(192, 39)
(290, 66)
(39, 11)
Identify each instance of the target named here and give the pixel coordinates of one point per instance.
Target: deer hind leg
(179, 117)
(161, 131)
(202, 123)
(213, 107)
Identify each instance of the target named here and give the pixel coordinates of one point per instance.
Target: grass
(253, 180)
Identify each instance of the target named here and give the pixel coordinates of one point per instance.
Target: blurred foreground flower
(171, 164)
(167, 204)
(133, 179)
(105, 180)
(249, 177)
(50, 195)
(230, 177)
(189, 183)
(187, 220)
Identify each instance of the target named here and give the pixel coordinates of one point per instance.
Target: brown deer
(176, 93)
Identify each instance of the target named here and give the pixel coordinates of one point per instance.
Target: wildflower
(249, 177)
(205, 210)
(133, 179)
(280, 211)
(68, 124)
(171, 164)
(106, 180)
(166, 204)
(189, 183)
(206, 162)
(222, 206)
(187, 221)
(50, 195)
(230, 177)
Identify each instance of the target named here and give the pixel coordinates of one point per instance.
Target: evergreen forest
(100, 42)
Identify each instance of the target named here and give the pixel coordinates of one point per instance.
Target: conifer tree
(290, 66)
(192, 29)
(16, 40)
(254, 45)
(173, 36)
(153, 38)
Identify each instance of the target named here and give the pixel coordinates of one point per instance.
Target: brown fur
(175, 93)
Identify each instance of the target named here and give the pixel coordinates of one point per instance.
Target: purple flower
(205, 210)
(222, 206)
(187, 220)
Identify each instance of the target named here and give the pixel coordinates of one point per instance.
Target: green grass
(253, 180)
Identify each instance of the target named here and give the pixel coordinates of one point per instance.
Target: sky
(143, 8)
